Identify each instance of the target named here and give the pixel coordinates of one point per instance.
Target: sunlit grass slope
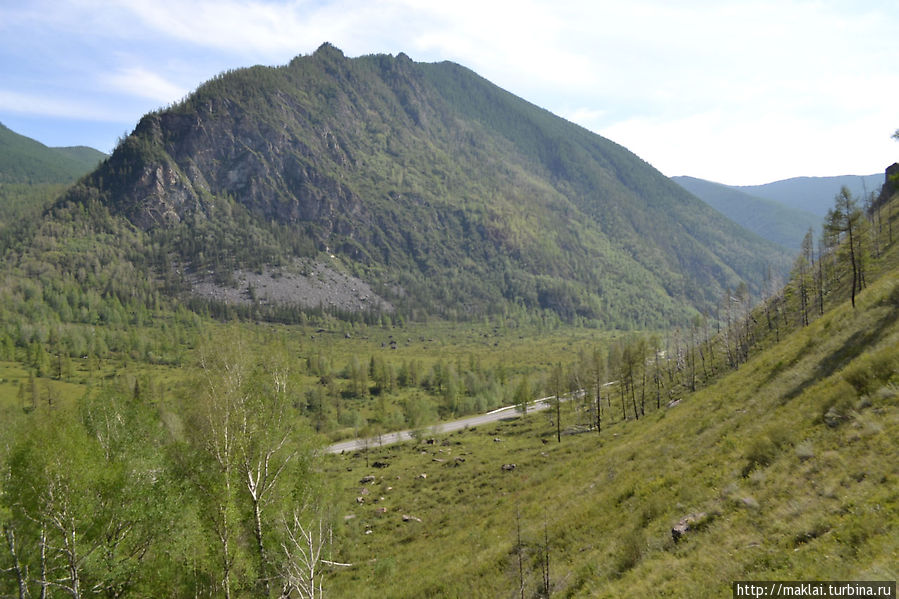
(788, 466)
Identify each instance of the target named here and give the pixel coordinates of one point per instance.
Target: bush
(630, 550)
(869, 373)
(760, 452)
(837, 411)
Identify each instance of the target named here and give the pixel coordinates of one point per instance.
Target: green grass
(791, 466)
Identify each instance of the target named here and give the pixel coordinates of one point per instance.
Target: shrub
(871, 372)
(630, 550)
(761, 451)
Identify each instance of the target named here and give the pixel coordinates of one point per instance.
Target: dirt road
(443, 427)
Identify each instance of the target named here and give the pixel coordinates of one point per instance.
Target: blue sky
(737, 92)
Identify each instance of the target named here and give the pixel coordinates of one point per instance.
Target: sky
(739, 92)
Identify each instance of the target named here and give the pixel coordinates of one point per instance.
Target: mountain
(770, 219)
(814, 194)
(24, 160)
(445, 193)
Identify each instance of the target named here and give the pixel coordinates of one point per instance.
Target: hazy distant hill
(814, 194)
(24, 160)
(772, 220)
(447, 194)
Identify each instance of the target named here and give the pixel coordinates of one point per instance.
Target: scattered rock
(408, 518)
(367, 479)
(379, 464)
(364, 491)
(422, 475)
(497, 440)
(381, 510)
(360, 500)
(686, 524)
(673, 403)
(508, 467)
(349, 517)
(750, 502)
(438, 460)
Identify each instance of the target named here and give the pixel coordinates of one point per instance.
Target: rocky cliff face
(185, 158)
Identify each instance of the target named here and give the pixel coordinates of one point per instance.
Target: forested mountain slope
(769, 219)
(24, 160)
(445, 193)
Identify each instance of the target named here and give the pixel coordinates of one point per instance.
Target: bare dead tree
(303, 548)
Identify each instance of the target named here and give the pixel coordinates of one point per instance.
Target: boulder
(685, 525)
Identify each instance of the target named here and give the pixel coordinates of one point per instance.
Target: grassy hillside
(769, 219)
(24, 160)
(784, 466)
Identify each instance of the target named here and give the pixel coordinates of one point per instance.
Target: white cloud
(744, 151)
(141, 82)
(42, 105)
(764, 84)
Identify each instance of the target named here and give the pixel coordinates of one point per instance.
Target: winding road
(444, 427)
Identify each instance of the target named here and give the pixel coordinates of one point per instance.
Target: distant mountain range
(446, 194)
(770, 219)
(815, 194)
(782, 211)
(24, 160)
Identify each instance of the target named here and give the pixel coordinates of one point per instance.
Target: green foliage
(123, 493)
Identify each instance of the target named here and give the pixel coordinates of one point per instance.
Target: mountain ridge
(768, 218)
(814, 194)
(25, 160)
(446, 193)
